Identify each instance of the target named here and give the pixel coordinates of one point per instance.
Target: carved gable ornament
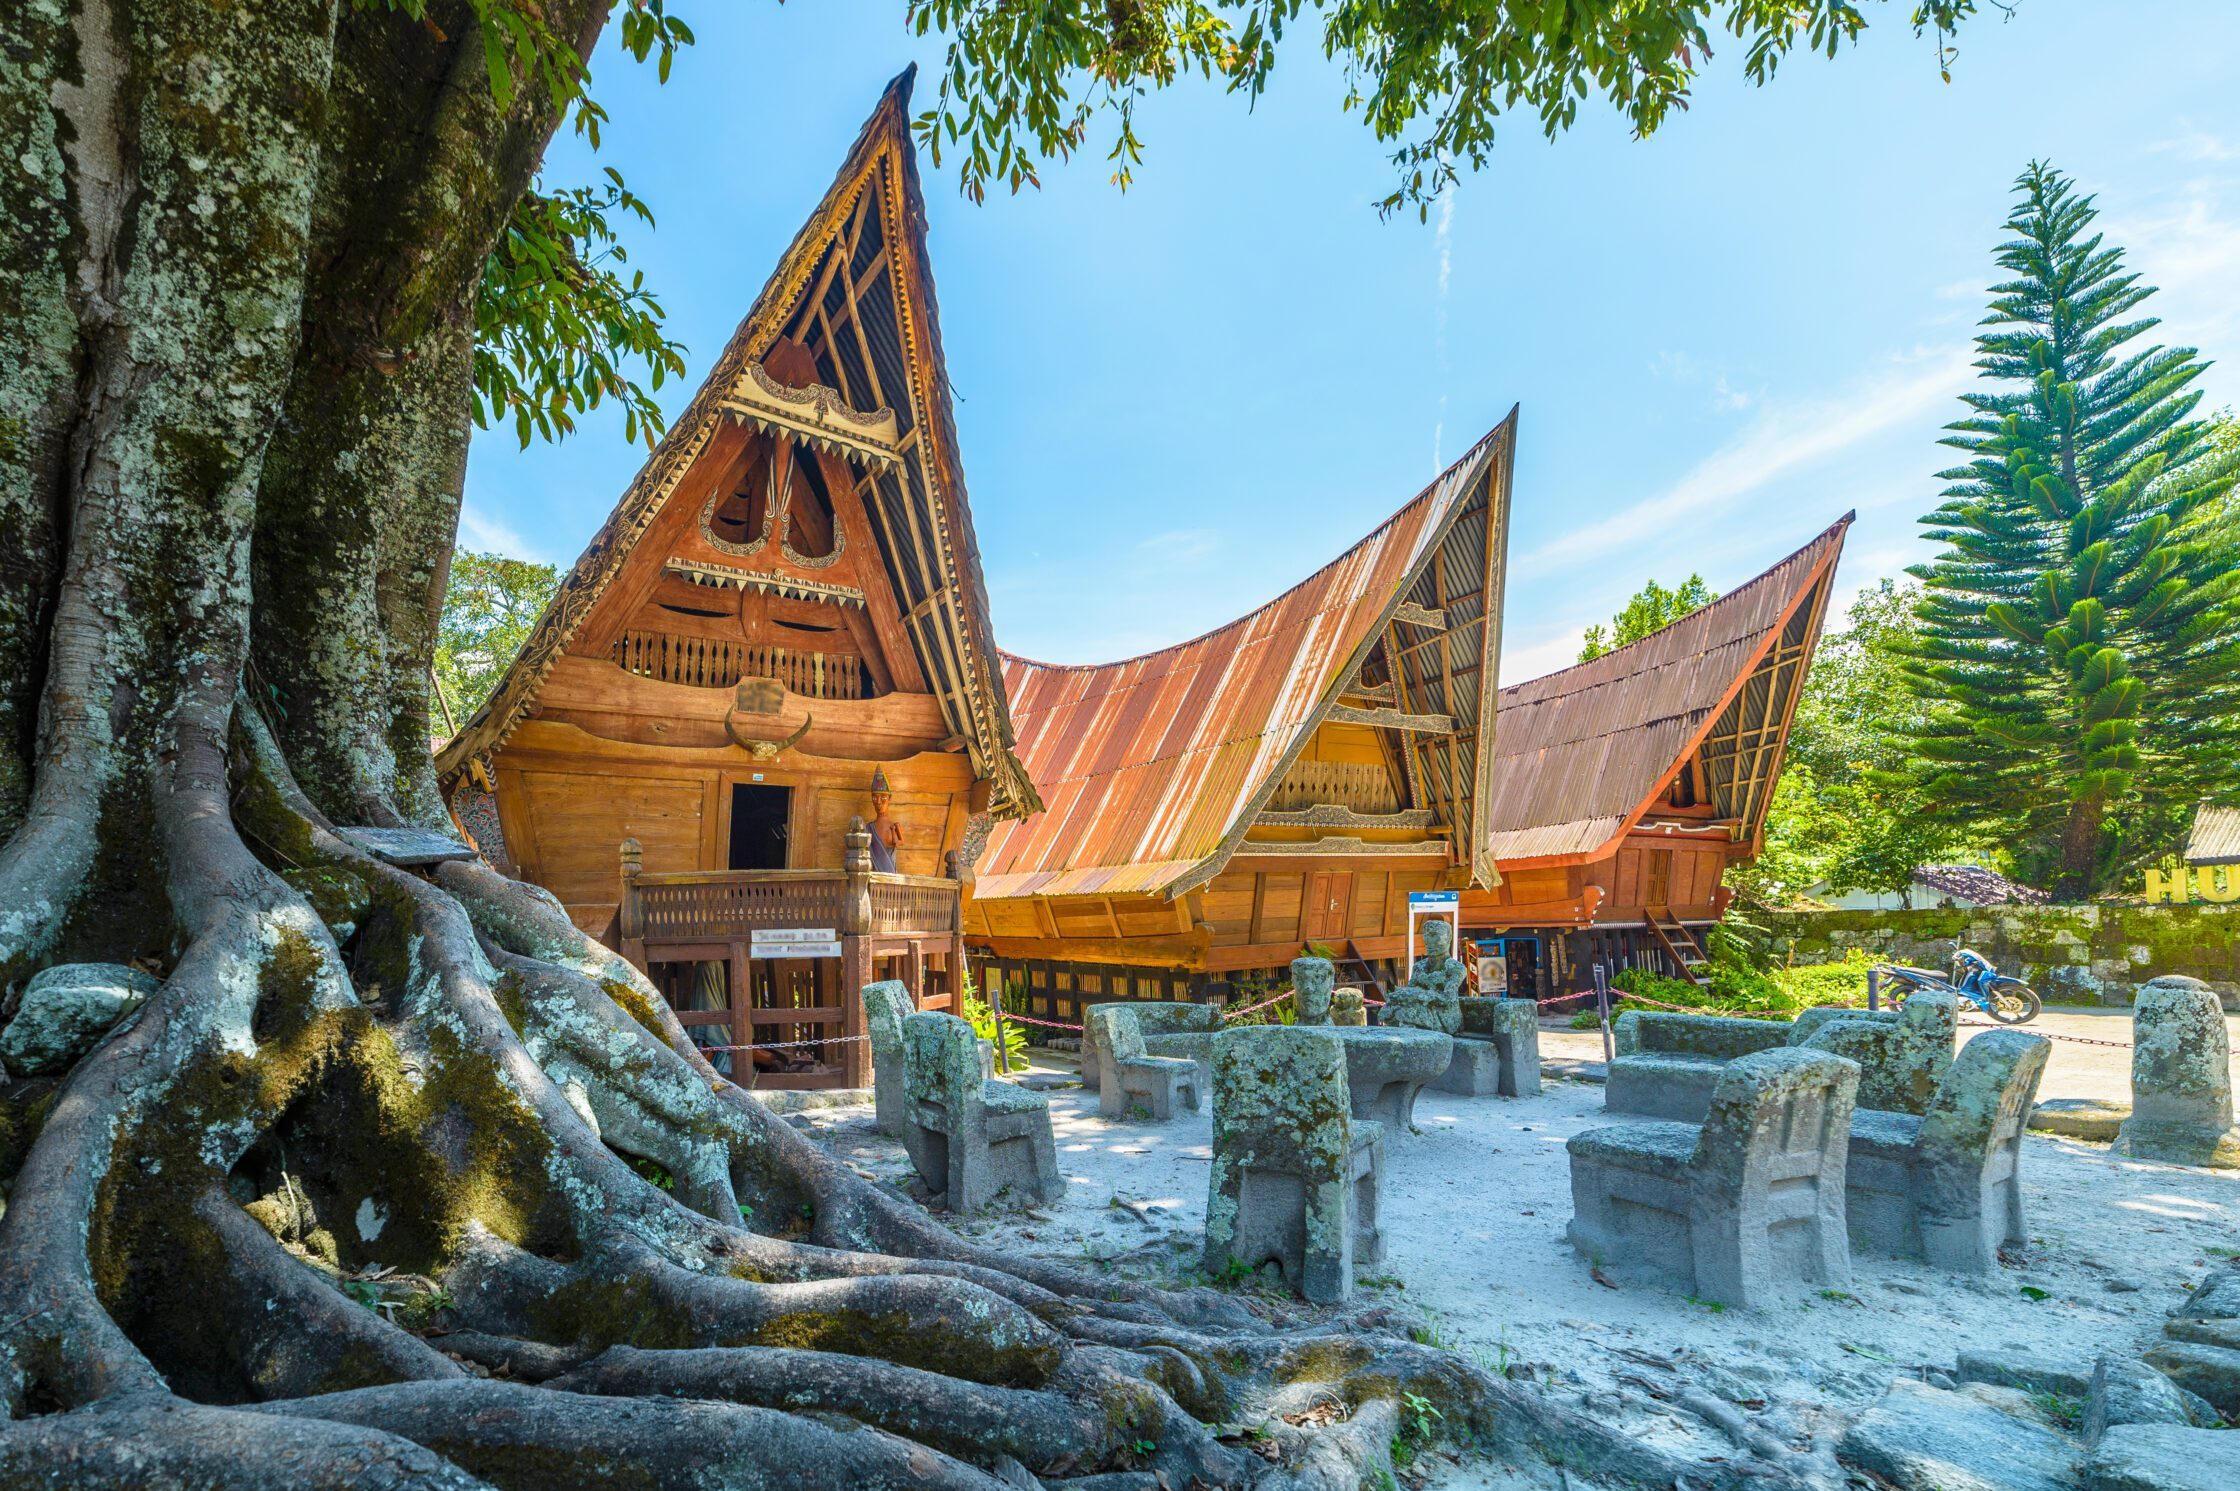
(815, 414)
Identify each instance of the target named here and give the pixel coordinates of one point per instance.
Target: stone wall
(2093, 954)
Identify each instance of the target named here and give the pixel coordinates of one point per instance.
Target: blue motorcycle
(2009, 1001)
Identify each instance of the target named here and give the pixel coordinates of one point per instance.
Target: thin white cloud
(1179, 546)
(479, 530)
(1443, 238)
(1536, 659)
(1783, 438)
(2198, 144)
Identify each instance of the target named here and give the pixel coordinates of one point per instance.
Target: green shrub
(983, 1021)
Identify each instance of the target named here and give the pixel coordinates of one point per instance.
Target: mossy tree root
(1094, 1411)
(531, 1438)
(139, 1440)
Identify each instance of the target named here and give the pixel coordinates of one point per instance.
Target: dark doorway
(758, 826)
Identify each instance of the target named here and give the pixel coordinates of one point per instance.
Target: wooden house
(1285, 779)
(1623, 788)
(785, 601)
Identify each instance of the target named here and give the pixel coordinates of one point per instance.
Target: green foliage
(1841, 815)
(983, 1021)
(1652, 609)
(2078, 651)
(489, 607)
(1021, 82)
(557, 322)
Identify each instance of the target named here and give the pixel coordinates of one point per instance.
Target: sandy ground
(1475, 1209)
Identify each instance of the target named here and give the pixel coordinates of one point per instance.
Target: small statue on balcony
(886, 831)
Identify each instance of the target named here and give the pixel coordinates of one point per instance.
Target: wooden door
(1329, 908)
(1658, 893)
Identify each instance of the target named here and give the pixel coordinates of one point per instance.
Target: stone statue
(1346, 1007)
(1432, 997)
(1311, 981)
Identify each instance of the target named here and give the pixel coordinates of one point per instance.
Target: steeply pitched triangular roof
(925, 525)
(1153, 768)
(1584, 751)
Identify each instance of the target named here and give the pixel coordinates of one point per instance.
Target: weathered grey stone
(1729, 1210)
(1130, 1078)
(2125, 1390)
(1809, 1021)
(1432, 997)
(1312, 980)
(971, 1140)
(2225, 1333)
(2210, 1372)
(1295, 1177)
(1155, 1018)
(2096, 1119)
(1668, 1065)
(65, 1012)
(1947, 1186)
(2216, 1298)
(885, 1006)
(1921, 1438)
(1386, 1066)
(2037, 1374)
(2163, 1457)
(1347, 1007)
(1497, 1051)
(1901, 1060)
(2181, 1078)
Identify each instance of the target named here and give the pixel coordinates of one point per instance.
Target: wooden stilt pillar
(855, 955)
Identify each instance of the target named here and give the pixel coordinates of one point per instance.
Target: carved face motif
(1438, 940)
(879, 801)
(1311, 980)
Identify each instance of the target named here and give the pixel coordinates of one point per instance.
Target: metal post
(1874, 988)
(995, 1008)
(1602, 1004)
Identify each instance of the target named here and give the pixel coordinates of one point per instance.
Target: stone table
(1386, 1066)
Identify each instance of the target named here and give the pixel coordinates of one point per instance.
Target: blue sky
(1177, 401)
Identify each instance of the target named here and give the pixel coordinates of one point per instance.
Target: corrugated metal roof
(2216, 836)
(1150, 768)
(1580, 750)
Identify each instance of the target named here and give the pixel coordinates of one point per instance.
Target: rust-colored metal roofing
(926, 490)
(1581, 751)
(2216, 836)
(1150, 769)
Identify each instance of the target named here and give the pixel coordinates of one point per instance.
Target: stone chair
(972, 1140)
(1730, 1209)
(1295, 1178)
(1944, 1185)
(1169, 1029)
(1667, 1066)
(1903, 1054)
(1497, 1050)
(885, 1006)
(1128, 1078)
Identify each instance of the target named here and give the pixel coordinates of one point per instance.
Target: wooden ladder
(1371, 985)
(1678, 942)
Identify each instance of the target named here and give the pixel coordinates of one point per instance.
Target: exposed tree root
(153, 1440)
(524, 1438)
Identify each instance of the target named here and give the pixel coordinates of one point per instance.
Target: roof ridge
(1483, 443)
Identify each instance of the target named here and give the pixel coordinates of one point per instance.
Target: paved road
(2076, 1070)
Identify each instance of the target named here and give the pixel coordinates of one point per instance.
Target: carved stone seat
(1668, 1064)
(972, 1140)
(1945, 1185)
(1729, 1209)
(1129, 1078)
(1497, 1051)
(1295, 1178)
(1903, 1054)
(1169, 1029)
(885, 1006)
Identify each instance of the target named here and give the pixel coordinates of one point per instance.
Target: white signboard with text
(794, 942)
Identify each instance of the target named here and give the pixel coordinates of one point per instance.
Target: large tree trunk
(236, 294)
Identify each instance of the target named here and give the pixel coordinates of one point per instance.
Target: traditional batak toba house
(1286, 779)
(784, 612)
(1623, 788)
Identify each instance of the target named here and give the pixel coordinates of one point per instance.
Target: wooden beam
(1392, 719)
(1417, 615)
